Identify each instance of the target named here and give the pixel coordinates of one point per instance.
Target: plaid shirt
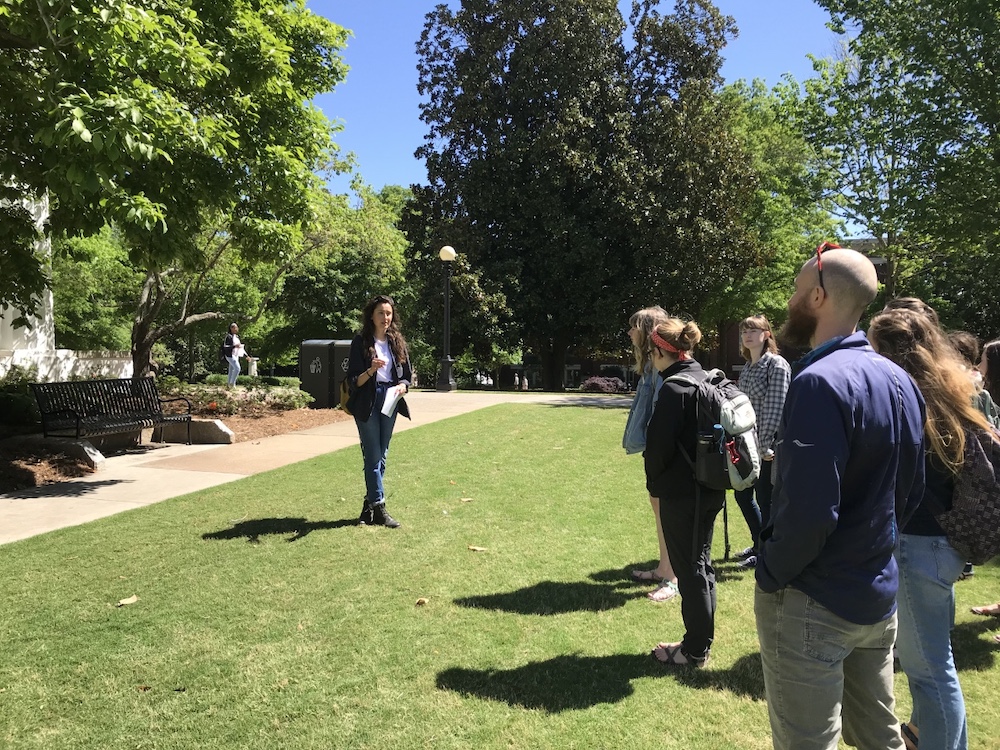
(766, 384)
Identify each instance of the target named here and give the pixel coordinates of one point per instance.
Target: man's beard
(798, 330)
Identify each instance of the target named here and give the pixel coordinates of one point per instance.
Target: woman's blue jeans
(757, 513)
(375, 435)
(234, 369)
(928, 568)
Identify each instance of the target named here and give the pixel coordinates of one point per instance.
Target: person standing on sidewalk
(850, 473)
(764, 378)
(378, 368)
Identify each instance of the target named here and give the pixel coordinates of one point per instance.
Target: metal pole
(446, 382)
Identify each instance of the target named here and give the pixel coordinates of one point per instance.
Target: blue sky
(378, 103)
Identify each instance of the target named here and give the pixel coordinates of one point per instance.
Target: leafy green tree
(93, 290)
(160, 118)
(359, 252)
(577, 176)
(789, 213)
(692, 172)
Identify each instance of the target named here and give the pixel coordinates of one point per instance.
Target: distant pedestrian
(850, 466)
(517, 381)
(233, 349)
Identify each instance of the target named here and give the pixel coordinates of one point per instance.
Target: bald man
(849, 472)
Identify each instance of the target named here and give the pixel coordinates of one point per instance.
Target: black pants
(687, 530)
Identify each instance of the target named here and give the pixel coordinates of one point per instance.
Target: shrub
(18, 409)
(603, 385)
(168, 384)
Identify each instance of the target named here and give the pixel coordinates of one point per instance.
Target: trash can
(252, 366)
(322, 365)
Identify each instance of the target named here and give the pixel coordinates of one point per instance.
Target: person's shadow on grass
(574, 682)
(253, 530)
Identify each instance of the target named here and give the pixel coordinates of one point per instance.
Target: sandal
(646, 576)
(666, 591)
(910, 738)
(989, 610)
(673, 655)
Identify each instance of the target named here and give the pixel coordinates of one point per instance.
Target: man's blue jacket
(849, 473)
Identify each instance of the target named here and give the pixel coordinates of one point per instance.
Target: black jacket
(362, 402)
(227, 346)
(674, 423)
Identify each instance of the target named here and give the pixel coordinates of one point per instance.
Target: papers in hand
(392, 396)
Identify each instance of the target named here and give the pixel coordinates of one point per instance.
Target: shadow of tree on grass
(253, 530)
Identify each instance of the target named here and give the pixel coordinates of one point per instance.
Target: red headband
(662, 343)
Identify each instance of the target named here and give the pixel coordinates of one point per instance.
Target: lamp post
(446, 381)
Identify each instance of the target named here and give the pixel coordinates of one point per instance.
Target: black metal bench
(84, 408)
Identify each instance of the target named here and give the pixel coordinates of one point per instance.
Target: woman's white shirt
(384, 352)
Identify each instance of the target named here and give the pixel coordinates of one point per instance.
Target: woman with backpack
(687, 510)
(928, 564)
(641, 326)
(764, 379)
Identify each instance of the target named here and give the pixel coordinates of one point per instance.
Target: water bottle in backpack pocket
(710, 465)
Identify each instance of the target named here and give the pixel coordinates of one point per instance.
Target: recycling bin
(322, 365)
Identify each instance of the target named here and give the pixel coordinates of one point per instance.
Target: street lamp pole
(446, 381)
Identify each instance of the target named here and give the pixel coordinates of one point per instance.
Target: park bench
(83, 408)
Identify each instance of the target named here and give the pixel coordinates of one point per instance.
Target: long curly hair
(644, 321)
(914, 342)
(397, 344)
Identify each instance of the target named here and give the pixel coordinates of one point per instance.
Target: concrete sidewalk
(157, 472)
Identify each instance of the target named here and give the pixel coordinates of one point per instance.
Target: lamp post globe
(446, 381)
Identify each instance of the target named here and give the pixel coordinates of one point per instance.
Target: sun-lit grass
(267, 619)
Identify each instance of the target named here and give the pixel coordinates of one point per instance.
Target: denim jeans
(375, 435)
(757, 513)
(234, 369)
(928, 568)
(823, 673)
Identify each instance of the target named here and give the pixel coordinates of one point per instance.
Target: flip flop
(673, 653)
(989, 610)
(666, 591)
(645, 576)
(911, 740)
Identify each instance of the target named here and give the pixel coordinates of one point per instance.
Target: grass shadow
(972, 650)
(574, 682)
(551, 598)
(253, 530)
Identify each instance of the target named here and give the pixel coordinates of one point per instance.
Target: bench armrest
(178, 398)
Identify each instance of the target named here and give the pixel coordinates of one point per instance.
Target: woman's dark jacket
(675, 423)
(362, 402)
(227, 347)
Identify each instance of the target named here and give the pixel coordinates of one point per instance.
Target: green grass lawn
(267, 619)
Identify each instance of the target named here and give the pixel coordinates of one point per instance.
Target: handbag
(345, 396)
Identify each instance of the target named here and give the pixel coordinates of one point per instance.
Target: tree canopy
(583, 178)
(160, 118)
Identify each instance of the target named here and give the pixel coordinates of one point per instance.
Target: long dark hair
(991, 380)
(400, 351)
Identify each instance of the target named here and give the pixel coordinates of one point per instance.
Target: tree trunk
(553, 356)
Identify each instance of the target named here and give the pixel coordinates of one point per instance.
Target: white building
(35, 346)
